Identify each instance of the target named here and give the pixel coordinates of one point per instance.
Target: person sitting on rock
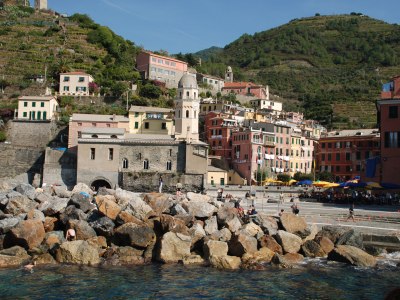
(70, 235)
(295, 209)
(240, 210)
(252, 211)
(281, 212)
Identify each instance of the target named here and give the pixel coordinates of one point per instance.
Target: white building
(36, 108)
(75, 84)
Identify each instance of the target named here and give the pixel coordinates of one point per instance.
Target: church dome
(187, 81)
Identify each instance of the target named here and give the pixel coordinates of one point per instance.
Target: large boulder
(198, 197)
(193, 260)
(310, 233)
(35, 214)
(50, 224)
(82, 188)
(252, 229)
(19, 205)
(160, 203)
(177, 209)
(211, 225)
(134, 235)
(293, 223)
(108, 207)
(72, 213)
(351, 238)
(242, 243)
(77, 252)
(233, 224)
(197, 233)
(54, 206)
(7, 224)
(82, 201)
(326, 244)
(53, 238)
(43, 197)
(225, 262)
(13, 257)
(267, 223)
(82, 229)
(129, 256)
(133, 204)
(61, 192)
(290, 242)
(103, 226)
(199, 209)
(174, 247)
(253, 261)
(215, 248)
(331, 232)
(352, 255)
(27, 234)
(45, 259)
(287, 260)
(169, 223)
(125, 217)
(26, 190)
(312, 249)
(269, 242)
(225, 214)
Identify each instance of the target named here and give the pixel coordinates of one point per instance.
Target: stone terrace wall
(32, 134)
(148, 182)
(59, 167)
(17, 160)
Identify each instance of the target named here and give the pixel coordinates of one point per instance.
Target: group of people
(241, 212)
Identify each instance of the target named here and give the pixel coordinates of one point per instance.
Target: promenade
(370, 219)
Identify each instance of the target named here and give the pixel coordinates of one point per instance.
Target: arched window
(187, 113)
(146, 164)
(169, 165)
(95, 136)
(114, 136)
(187, 94)
(125, 164)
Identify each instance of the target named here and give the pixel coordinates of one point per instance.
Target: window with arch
(146, 164)
(95, 136)
(169, 165)
(125, 163)
(187, 94)
(187, 113)
(114, 136)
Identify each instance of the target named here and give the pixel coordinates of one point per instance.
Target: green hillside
(35, 43)
(321, 61)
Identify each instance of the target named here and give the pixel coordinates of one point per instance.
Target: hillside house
(75, 84)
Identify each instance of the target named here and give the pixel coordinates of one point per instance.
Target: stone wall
(148, 182)
(17, 160)
(32, 134)
(59, 167)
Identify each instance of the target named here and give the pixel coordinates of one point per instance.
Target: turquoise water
(314, 280)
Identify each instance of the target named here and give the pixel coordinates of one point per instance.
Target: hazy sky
(190, 26)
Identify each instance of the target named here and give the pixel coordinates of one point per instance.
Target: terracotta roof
(75, 73)
(240, 85)
(38, 98)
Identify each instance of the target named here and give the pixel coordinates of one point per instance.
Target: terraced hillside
(35, 44)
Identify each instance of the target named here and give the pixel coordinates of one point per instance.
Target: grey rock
(103, 226)
(72, 213)
(200, 209)
(267, 223)
(211, 225)
(26, 190)
(62, 192)
(82, 229)
(174, 247)
(7, 224)
(290, 242)
(19, 204)
(134, 235)
(242, 243)
(77, 252)
(82, 202)
(54, 206)
(35, 214)
(351, 238)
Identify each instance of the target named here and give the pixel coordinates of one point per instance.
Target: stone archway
(100, 182)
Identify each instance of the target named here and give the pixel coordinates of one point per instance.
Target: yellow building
(36, 108)
(151, 120)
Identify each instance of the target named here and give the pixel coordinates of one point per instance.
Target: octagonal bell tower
(187, 108)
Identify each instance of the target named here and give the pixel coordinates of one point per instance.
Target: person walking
(351, 213)
(160, 184)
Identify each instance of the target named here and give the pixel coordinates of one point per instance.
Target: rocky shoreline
(118, 227)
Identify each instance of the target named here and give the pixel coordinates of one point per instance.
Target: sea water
(314, 279)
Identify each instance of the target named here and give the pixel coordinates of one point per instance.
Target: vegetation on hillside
(321, 61)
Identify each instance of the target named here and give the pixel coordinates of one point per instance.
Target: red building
(245, 89)
(345, 153)
(389, 124)
(218, 129)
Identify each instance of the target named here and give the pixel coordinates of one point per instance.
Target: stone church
(111, 157)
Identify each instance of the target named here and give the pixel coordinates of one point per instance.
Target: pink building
(246, 89)
(161, 68)
(78, 122)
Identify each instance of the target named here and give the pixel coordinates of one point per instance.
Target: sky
(190, 26)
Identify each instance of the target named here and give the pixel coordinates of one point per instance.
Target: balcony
(217, 148)
(269, 144)
(216, 137)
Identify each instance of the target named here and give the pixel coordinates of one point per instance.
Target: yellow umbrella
(373, 185)
(291, 181)
(331, 185)
(321, 183)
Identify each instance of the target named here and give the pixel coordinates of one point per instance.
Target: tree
(325, 176)
(283, 177)
(119, 88)
(150, 91)
(3, 136)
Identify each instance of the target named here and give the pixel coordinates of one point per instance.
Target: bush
(283, 177)
(3, 136)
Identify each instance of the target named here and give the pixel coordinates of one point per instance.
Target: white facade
(266, 104)
(41, 4)
(187, 108)
(35, 108)
(75, 84)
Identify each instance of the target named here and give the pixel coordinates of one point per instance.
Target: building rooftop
(75, 73)
(353, 132)
(165, 57)
(98, 118)
(240, 85)
(38, 98)
(215, 169)
(150, 109)
(96, 130)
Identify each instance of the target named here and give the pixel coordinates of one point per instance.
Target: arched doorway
(98, 183)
